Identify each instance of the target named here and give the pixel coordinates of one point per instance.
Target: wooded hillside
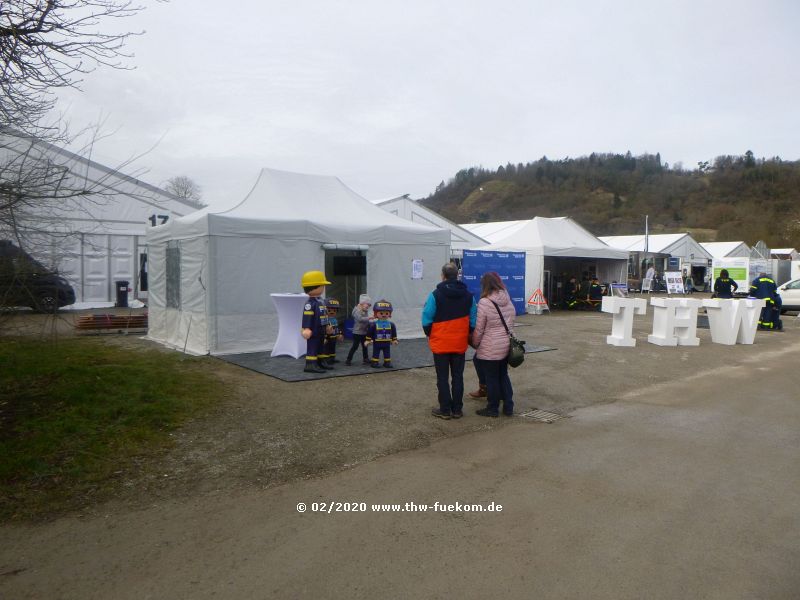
(733, 198)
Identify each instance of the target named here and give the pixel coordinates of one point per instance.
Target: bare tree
(49, 44)
(186, 189)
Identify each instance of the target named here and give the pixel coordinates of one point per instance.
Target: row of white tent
(211, 272)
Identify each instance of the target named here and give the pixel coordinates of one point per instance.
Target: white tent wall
(186, 327)
(245, 272)
(389, 277)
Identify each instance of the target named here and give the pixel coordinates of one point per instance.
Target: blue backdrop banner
(509, 265)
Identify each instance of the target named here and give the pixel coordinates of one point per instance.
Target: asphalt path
(685, 489)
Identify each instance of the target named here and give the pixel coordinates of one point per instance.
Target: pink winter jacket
(490, 337)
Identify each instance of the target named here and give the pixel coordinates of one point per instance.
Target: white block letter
(733, 321)
(623, 310)
(674, 322)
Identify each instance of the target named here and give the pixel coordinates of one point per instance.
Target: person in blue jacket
(764, 287)
(724, 286)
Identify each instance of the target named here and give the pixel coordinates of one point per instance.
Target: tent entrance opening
(347, 272)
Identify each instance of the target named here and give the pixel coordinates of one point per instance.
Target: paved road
(690, 489)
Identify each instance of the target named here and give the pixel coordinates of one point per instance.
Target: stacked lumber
(106, 321)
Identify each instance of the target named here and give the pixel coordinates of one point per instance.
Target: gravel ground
(266, 432)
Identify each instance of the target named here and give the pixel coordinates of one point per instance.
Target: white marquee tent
(553, 244)
(91, 221)
(211, 273)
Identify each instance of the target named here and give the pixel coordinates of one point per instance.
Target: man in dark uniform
(571, 294)
(315, 320)
(764, 287)
(595, 297)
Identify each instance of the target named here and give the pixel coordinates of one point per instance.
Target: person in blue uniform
(765, 288)
(315, 320)
(724, 286)
(335, 332)
(571, 294)
(595, 298)
(382, 334)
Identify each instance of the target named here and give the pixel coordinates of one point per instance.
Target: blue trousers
(314, 346)
(451, 395)
(498, 385)
(386, 348)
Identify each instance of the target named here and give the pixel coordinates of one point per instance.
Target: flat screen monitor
(349, 265)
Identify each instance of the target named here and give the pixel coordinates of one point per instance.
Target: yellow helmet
(314, 279)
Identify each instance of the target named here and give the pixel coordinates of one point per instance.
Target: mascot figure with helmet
(315, 321)
(382, 333)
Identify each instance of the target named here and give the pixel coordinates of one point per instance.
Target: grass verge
(77, 415)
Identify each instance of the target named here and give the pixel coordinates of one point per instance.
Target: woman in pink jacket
(491, 344)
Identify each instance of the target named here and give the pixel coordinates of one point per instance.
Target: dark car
(25, 282)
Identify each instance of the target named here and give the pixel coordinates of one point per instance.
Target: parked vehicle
(790, 295)
(25, 282)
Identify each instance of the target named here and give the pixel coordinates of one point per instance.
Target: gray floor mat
(408, 354)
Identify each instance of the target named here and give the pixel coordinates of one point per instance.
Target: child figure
(315, 320)
(334, 333)
(381, 334)
(361, 321)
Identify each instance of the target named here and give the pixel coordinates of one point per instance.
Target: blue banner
(509, 265)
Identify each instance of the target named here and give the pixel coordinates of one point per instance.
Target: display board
(674, 282)
(509, 265)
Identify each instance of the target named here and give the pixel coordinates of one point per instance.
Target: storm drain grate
(542, 416)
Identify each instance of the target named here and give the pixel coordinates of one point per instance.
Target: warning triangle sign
(537, 303)
(537, 299)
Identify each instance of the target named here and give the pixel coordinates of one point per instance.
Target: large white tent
(553, 245)
(90, 220)
(212, 272)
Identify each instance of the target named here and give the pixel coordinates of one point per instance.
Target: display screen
(349, 265)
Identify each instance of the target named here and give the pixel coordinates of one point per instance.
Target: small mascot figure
(335, 335)
(315, 320)
(381, 334)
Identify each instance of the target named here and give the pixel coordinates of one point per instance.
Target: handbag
(516, 349)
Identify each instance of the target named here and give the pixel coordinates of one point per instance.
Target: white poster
(674, 282)
(417, 266)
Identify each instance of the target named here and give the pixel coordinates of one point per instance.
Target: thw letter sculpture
(623, 310)
(733, 321)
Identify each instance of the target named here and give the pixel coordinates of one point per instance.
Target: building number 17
(158, 219)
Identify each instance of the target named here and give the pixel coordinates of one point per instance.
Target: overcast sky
(394, 97)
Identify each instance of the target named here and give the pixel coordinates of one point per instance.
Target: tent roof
(495, 230)
(413, 211)
(657, 243)
(559, 236)
(721, 249)
(315, 207)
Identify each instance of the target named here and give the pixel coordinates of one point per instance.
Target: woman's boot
(479, 393)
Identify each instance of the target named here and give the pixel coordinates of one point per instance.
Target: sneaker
(484, 412)
(456, 414)
(507, 414)
(387, 365)
(436, 412)
(375, 365)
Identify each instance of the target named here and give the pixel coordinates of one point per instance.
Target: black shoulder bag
(516, 349)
